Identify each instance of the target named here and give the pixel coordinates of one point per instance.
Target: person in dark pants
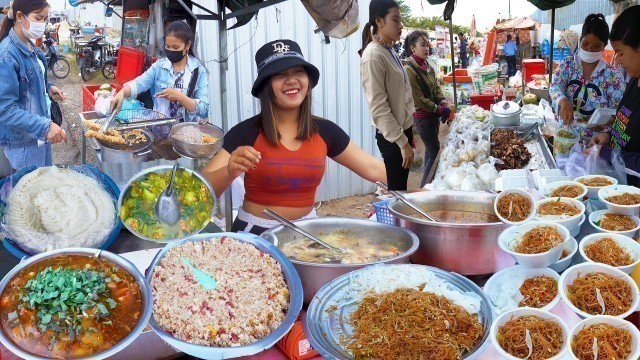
(510, 49)
(464, 57)
(427, 96)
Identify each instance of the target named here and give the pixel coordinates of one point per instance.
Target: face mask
(174, 55)
(588, 56)
(36, 29)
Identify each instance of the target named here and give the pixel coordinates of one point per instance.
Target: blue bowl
(210, 352)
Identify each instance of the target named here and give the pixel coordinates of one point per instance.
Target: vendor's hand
(116, 102)
(56, 134)
(592, 150)
(243, 159)
(56, 94)
(203, 121)
(170, 94)
(600, 139)
(407, 155)
(565, 111)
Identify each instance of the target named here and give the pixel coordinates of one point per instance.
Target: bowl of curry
(73, 303)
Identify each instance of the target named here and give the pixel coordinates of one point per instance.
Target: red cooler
(532, 67)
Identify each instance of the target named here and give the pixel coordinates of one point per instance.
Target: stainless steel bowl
(197, 151)
(315, 275)
(295, 302)
(468, 249)
(118, 260)
(157, 169)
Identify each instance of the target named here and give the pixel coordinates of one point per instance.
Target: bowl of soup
(74, 303)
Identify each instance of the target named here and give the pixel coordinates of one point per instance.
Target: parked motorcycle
(56, 62)
(90, 59)
(109, 67)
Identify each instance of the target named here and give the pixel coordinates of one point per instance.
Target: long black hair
(626, 28)
(596, 24)
(377, 9)
(25, 7)
(181, 30)
(412, 39)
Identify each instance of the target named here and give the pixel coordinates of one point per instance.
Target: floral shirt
(604, 89)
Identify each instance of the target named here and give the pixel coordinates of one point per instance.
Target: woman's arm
(362, 163)
(225, 167)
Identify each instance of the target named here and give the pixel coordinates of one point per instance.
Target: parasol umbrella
(551, 5)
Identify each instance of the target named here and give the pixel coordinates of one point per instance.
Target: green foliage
(428, 23)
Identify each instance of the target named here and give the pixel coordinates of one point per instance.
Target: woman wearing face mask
(283, 150)
(179, 80)
(387, 89)
(26, 129)
(585, 81)
(431, 108)
(624, 134)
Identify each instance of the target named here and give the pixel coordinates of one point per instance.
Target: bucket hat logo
(280, 47)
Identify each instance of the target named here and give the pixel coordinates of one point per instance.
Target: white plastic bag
(580, 163)
(516, 80)
(103, 103)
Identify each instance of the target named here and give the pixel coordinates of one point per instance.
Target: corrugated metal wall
(338, 96)
(575, 13)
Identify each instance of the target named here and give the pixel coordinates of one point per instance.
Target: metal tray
(328, 313)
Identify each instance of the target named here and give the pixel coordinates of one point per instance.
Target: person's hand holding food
(565, 112)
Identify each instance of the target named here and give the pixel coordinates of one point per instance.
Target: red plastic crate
(532, 67)
(484, 100)
(88, 100)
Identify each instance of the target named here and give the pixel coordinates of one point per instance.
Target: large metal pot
(506, 113)
(138, 154)
(465, 248)
(315, 275)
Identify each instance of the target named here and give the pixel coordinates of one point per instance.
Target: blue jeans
(428, 129)
(33, 155)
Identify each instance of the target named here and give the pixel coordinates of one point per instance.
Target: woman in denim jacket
(24, 91)
(170, 77)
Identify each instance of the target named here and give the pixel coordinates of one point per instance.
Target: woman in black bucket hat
(282, 150)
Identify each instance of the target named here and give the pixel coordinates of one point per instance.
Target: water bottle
(545, 48)
(566, 51)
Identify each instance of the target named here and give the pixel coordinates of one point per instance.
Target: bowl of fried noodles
(615, 250)
(567, 212)
(515, 206)
(534, 244)
(594, 183)
(621, 199)
(606, 221)
(607, 336)
(570, 189)
(548, 335)
(591, 289)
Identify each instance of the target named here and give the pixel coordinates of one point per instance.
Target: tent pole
(553, 23)
(453, 66)
(222, 77)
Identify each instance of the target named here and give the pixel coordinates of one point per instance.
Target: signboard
(442, 44)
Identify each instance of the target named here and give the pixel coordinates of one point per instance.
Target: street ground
(359, 206)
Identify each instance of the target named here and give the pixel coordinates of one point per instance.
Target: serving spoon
(284, 221)
(167, 208)
(401, 197)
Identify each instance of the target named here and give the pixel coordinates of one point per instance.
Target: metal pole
(553, 22)
(222, 77)
(453, 66)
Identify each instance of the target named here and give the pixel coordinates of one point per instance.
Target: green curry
(194, 197)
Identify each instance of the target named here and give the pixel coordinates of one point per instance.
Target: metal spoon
(167, 208)
(405, 200)
(282, 220)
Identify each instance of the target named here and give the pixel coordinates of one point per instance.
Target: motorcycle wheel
(85, 71)
(109, 70)
(60, 68)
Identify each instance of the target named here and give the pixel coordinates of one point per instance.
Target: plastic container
(562, 145)
(611, 320)
(561, 265)
(613, 190)
(547, 189)
(507, 242)
(532, 210)
(295, 344)
(598, 215)
(532, 67)
(545, 48)
(484, 100)
(88, 100)
(571, 222)
(382, 212)
(628, 244)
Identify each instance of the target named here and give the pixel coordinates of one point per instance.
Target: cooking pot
(315, 275)
(506, 113)
(466, 248)
(137, 153)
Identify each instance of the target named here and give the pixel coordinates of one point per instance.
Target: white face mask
(36, 29)
(588, 56)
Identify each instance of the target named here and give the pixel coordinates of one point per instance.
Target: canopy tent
(551, 5)
(519, 23)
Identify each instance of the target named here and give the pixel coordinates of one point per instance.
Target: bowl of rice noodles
(606, 221)
(604, 337)
(615, 250)
(591, 289)
(569, 249)
(515, 206)
(594, 183)
(534, 244)
(569, 189)
(621, 199)
(519, 286)
(564, 211)
(530, 333)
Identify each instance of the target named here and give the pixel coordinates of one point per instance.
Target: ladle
(401, 197)
(167, 208)
(282, 220)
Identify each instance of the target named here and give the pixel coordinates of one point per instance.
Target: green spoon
(207, 282)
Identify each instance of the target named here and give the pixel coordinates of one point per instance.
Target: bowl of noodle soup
(523, 243)
(621, 199)
(549, 334)
(615, 250)
(606, 329)
(578, 286)
(605, 221)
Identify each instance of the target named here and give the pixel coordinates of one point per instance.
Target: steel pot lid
(505, 108)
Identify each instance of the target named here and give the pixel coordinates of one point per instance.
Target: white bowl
(630, 245)
(576, 229)
(547, 189)
(570, 222)
(611, 320)
(598, 215)
(613, 190)
(572, 273)
(499, 283)
(502, 319)
(509, 238)
(572, 246)
(532, 212)
(592, 191)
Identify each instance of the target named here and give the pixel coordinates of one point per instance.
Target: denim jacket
(158, 77)
(23, 110)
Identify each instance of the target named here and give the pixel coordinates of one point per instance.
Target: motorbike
(109, 67)
(56, 62)
(90, 60)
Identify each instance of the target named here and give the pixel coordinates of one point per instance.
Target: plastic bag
(417, 165)
(581, 163)
(516, 80)
(103, 104)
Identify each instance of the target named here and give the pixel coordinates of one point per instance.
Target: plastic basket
(382, 212)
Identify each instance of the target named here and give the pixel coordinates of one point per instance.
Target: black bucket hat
(277, 56)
